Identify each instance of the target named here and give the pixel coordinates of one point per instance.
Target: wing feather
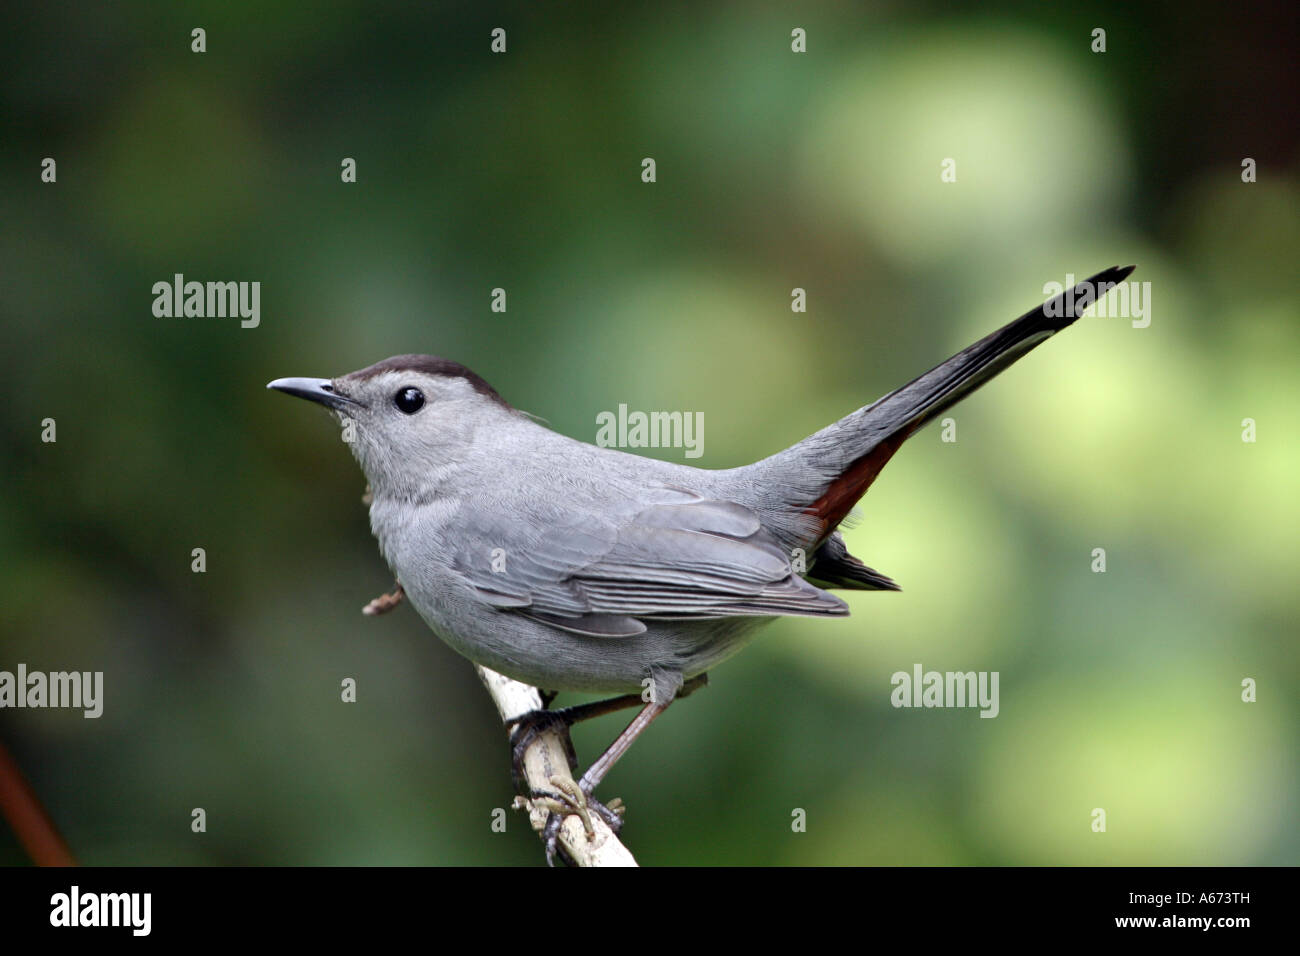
(694, 559)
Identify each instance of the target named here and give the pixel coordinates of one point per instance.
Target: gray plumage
(573, 567)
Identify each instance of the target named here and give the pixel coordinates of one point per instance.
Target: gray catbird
(573, 567)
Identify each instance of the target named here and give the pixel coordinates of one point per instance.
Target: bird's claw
(525, 729)
(571, 799)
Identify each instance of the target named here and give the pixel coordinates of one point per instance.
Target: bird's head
(406, 418)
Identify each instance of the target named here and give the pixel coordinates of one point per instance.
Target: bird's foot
(569, 799)
(574, 798)
(524, 731)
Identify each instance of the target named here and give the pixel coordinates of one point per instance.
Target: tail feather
(848, 455)
(834, 567)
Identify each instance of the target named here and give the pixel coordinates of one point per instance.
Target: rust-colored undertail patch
(843, 493)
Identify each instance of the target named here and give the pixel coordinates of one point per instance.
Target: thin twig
(32, 825)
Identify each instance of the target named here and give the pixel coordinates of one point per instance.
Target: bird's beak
(314, 389)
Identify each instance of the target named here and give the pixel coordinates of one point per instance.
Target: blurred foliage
(1119, 690)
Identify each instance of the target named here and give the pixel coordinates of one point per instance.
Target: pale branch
(546, 768)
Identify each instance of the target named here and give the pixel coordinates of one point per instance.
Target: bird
(573, 567)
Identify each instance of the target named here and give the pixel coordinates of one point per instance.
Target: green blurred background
(775, 170)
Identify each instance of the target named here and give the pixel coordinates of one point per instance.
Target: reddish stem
(32, 825)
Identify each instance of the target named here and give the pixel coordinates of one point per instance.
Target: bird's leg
(526, 727)
(596, 772)
(582, 801)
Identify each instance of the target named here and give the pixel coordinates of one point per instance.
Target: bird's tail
(824, 475)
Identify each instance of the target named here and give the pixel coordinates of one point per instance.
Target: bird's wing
(690, 558)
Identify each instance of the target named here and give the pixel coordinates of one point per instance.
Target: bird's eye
(409, 400)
